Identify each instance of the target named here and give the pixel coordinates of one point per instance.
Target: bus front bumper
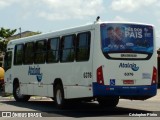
(104, 90)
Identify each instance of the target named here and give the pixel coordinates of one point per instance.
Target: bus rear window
(127, 41)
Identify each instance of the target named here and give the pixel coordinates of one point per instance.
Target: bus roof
(51, 34)
(67, 31)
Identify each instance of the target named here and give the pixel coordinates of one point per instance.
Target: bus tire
(108, 101)
(18, 96)
(59, 96)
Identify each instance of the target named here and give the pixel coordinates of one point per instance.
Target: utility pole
(20, 33)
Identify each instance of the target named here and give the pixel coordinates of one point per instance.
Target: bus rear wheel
(110, 101)
(18, 96)
(59, 96)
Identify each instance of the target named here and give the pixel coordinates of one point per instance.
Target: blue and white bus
(104, 61)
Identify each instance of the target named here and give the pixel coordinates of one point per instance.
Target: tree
(7, 34)
(4, 34)
(3, 45)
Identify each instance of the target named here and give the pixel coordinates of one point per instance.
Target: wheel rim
(59, 97)
(18, 93)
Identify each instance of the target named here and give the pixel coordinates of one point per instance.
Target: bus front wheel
(18, 96)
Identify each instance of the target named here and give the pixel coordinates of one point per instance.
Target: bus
(103, 61)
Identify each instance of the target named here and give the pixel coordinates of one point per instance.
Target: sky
(50, 15)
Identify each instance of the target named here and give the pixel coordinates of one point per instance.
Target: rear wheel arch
(58, 92)
(57, 81)
(15, 82)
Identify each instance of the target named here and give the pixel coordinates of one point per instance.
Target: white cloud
(57, 9)
(121, 19)
(6, 3)
(76, 9)
(131, 5)
(158, 28)
(3, 3)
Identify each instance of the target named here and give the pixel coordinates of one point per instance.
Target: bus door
(8, 72)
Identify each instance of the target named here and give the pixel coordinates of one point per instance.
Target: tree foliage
(7, 34)
(4, 34)
(3, 45)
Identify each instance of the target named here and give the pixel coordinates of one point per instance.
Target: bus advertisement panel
(127, 38)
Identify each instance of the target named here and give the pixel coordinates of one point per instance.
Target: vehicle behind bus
(1, 79)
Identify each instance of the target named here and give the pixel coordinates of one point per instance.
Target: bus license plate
(128, 82)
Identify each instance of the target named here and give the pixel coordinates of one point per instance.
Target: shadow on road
(48, 108)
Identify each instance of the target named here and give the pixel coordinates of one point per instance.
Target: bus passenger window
(19, 52)
(53, 50)
(83, 46)
(29, 53)
(40, 52)
(67, 48)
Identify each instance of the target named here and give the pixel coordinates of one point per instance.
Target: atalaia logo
(133, 66)
(35, 70)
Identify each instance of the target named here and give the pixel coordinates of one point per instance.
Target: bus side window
(53, 50)
(29, 53)
(40, 52)
(19, 54)
(67, 48)
(83, 46)
(7, 60)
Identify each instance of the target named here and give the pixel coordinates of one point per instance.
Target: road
(92, 110)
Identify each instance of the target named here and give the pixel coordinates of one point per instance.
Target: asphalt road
(46, 108)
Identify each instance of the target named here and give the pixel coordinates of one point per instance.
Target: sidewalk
(33, 98)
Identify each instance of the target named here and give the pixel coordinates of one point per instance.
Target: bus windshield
(131, 39)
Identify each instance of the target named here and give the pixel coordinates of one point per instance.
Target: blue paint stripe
(104, 90)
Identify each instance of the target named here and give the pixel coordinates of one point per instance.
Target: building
(23, 34)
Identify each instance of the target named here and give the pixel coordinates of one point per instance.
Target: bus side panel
(96, 53)
(40, 90)
(24, 89)
(8, 82)
(30, 89)
(8, 87)
(80, 79)
(8, 77)
(78, 92)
